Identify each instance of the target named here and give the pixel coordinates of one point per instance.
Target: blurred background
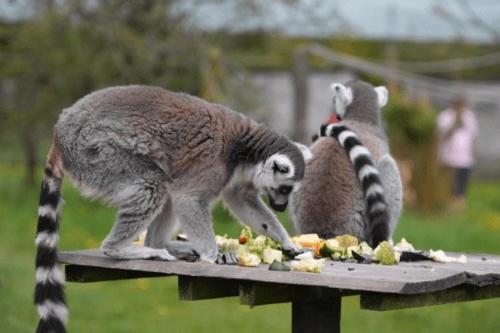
(272, 60)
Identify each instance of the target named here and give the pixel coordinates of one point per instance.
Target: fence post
(300, 71)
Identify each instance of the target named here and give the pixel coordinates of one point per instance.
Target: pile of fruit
(254, 251)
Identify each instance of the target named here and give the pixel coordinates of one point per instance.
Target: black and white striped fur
(369, 178)
(49, 290)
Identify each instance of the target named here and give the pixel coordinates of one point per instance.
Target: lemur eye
(285, 189)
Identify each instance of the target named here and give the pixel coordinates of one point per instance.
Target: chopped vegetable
(309, 241)
(365, 249)
(385, 254)
(272, 244)
(330, 247)
(308, 265)
(227, 244)
(256, 245)
(305, 255)
(347, 240)
(252, 251)
(403, 245)
(270, 255)
(440, 256)
(248, 259)
(245, 235)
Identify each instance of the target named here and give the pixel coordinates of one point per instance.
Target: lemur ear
(342, 97)
(382, 96)
(306, 152)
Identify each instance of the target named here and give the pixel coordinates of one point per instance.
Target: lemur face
(277, 178)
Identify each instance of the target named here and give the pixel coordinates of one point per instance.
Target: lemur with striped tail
(161, 158)
(352, 184)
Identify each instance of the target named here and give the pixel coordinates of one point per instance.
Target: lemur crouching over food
(352, 184)
(161, 158)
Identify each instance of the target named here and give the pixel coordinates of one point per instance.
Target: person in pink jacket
(457, 132)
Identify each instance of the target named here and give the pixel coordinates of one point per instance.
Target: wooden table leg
(318, 316)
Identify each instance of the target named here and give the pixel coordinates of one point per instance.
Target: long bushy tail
(49, 290)
(369, 178)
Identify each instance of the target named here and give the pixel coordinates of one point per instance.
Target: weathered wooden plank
(259, 293)
(463, 293)
(476, 264)
(318, 316)
(78, 273)
(198, 288)
(417, 278)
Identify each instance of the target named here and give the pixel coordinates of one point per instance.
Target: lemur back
(347, 193)
(161, 158)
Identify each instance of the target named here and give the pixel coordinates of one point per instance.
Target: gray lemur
(352, 184)
(161, 158)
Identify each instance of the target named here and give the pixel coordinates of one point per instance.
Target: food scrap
(248, 259)
(385, 254)
(440, 256)
(270, 255)
(309, 241)
(251, 251)
(310, 265)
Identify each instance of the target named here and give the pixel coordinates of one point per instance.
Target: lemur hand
(291, 250)
(226, 258)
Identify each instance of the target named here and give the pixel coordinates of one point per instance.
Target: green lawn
(151, 305)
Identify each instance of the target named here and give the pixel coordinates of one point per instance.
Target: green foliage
(64, 52)
(410, 123)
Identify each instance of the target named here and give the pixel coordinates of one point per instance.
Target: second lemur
(352, 184)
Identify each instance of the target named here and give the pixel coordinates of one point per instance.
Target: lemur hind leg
(139, 203)
(160, 232)
(194, 217)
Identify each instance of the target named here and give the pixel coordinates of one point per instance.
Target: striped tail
(369, 178)
(49, 290)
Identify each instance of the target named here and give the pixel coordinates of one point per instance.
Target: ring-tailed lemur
(161, 158)
(352, 184)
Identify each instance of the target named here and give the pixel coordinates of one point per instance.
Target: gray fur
(330, 200)
(163, 157)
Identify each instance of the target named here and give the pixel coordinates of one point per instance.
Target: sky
(398, 19)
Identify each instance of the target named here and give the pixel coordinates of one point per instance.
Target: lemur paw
(190, 256)
(226, 258)
(163, 255)
(292, 250)
(182, 250)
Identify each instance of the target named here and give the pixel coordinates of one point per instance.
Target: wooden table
(315, 298)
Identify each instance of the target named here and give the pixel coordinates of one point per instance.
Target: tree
(64, 51)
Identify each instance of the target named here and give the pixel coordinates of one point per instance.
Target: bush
(412, 131)
(410, 123)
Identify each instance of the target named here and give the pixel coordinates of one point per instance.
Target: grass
(151, 305)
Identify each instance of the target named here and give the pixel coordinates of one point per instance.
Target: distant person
(457, 133)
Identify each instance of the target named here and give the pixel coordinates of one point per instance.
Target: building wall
(276, 98)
